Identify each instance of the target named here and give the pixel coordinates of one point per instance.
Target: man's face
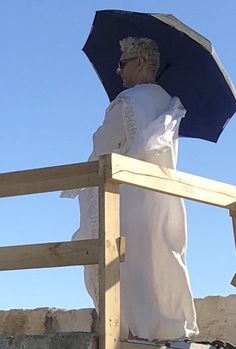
(128, 70)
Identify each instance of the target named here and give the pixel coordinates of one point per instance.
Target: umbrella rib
(166, 67)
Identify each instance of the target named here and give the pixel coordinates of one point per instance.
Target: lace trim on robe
(128, 120)
(131, 129)
(93, 211)
(91, 271)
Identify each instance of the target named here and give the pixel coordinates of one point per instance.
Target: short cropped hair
(142, 47)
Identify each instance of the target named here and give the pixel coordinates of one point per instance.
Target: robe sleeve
(109, 137)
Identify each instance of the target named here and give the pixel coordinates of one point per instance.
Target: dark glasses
(123, 62)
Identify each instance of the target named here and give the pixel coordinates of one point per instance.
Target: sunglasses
(123, 62)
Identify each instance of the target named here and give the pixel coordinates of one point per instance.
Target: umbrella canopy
(189, 67)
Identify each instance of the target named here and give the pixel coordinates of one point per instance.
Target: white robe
(156, 300)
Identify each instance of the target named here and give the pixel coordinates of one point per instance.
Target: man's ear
(141, 63)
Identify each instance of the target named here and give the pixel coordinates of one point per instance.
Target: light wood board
(55, 254)
(109, 266)
(168, 181)
(49, 179)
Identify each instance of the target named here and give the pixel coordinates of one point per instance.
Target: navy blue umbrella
(189, 67)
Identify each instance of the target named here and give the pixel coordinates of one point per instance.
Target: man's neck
(146, 79)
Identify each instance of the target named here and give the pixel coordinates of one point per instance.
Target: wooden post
(109, 266)
(233, 215)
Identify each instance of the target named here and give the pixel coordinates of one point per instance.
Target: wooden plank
(233, 281)
(55, 254)
(164, 180)
(121, 246)
(232, 206)
(49, 179)
(109, 266)
(233, 215)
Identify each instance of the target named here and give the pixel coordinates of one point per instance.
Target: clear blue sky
(51, 102)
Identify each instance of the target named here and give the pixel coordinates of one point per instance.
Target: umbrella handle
(233, 215)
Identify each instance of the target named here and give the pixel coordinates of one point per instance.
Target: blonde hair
(142, 47)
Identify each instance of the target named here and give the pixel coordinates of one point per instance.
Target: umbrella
(190, 68)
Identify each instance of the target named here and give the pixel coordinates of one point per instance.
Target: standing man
(143, 122)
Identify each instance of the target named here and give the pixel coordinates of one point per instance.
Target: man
(143, 122)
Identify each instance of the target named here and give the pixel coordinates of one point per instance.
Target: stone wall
(45, 321)
(57, 341)
(216, 320)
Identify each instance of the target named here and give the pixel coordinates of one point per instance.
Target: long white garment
(156, 300)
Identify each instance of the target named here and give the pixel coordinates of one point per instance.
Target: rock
(83, 320)
(20, 322)
(216, 318)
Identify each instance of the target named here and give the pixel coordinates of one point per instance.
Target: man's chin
(126, 84)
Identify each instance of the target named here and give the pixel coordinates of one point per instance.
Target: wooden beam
(168, 181)
(109, 266)
(233, 281)
(233, 215)
(55, 254)
(49, 179)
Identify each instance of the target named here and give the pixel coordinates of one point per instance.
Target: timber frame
(108, 250)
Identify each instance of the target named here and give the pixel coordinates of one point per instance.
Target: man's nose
(118, 71)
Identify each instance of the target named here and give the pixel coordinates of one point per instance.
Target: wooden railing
(109, 249)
